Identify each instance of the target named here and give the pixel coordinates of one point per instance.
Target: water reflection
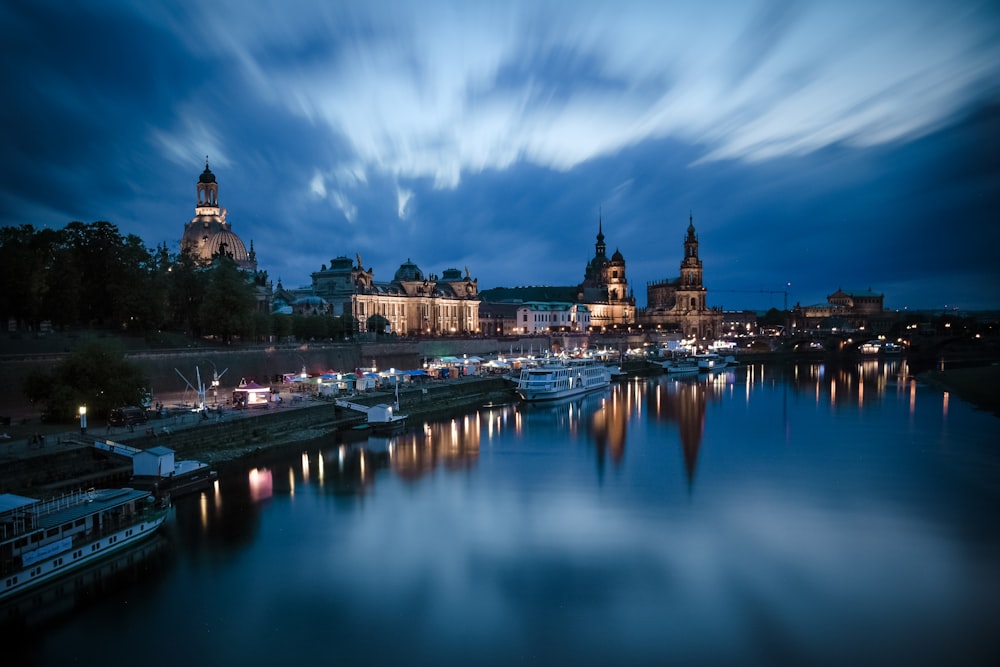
(841, 386)
(865, 536)
(609, 426)
(119, 574)
(351, 468)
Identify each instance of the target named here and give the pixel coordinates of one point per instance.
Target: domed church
(209, 235)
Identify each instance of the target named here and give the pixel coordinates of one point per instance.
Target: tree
(26, 257)
(263, 325)
(281, 326)
(377, 324)
(138, 303)
(186, 286)
(309, 327)
(96, 375)
(229, 301)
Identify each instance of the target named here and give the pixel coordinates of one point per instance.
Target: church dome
(225, 243)
(408, 272)
(617, 257)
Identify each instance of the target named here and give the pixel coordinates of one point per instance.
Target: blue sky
(823, 144)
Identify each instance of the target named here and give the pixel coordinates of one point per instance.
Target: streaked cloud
(817, 142)
(440, 89)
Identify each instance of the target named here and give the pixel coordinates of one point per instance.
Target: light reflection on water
(759, 515)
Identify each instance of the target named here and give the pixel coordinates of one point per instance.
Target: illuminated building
(680, 303)
(411, 303)
(209, 234)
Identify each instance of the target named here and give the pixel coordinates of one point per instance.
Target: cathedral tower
(691, 291)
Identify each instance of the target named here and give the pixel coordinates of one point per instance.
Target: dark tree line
(91, 276)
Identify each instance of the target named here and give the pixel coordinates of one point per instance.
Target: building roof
(12, 501)
(206, 176)
(408, 272)
(159, 450)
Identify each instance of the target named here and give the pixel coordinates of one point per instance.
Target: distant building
(543, 317)
(845, 310)
(498, 318)
(411, 303)
(602, 301)
(858, 303)
(680, 304)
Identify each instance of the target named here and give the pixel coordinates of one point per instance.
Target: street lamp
(215, 382)
(83, 419)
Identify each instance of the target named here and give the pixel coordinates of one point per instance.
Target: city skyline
(816, 147)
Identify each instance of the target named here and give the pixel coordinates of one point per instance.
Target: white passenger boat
(42, 540)
(562, 379)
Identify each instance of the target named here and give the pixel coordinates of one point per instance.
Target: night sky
(827, 144)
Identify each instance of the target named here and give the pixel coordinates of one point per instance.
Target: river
(769, 514)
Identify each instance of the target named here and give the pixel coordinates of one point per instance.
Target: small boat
(41, 540)
(616, 372)
(155, 470)
(562, 379)
(709, 362)
(383, 418)
(380, 418)
(680, 365)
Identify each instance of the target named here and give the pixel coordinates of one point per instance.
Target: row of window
(551, 317)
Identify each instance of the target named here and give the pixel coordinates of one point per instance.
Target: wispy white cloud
(190, 139)
(419, 91)
(403, 197)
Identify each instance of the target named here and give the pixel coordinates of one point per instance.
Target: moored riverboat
(41, 540)
(709, 362)
(562, 379)
(680, 365)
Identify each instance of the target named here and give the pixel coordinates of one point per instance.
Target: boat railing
(112, 523)
(66, 500)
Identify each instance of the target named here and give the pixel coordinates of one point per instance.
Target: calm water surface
(766, 515)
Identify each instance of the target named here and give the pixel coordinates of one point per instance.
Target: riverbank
(978, 385)
(66, 459)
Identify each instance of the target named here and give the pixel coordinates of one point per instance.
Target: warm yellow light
(82, 410)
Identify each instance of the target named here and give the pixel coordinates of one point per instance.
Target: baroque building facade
(844, 310)
(681, 303)
(605, 289)
(411, 303)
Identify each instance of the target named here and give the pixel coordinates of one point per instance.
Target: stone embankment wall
(66, 466)
(164, 369)
(211, 440)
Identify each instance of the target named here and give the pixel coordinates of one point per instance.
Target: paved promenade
(28, 437)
